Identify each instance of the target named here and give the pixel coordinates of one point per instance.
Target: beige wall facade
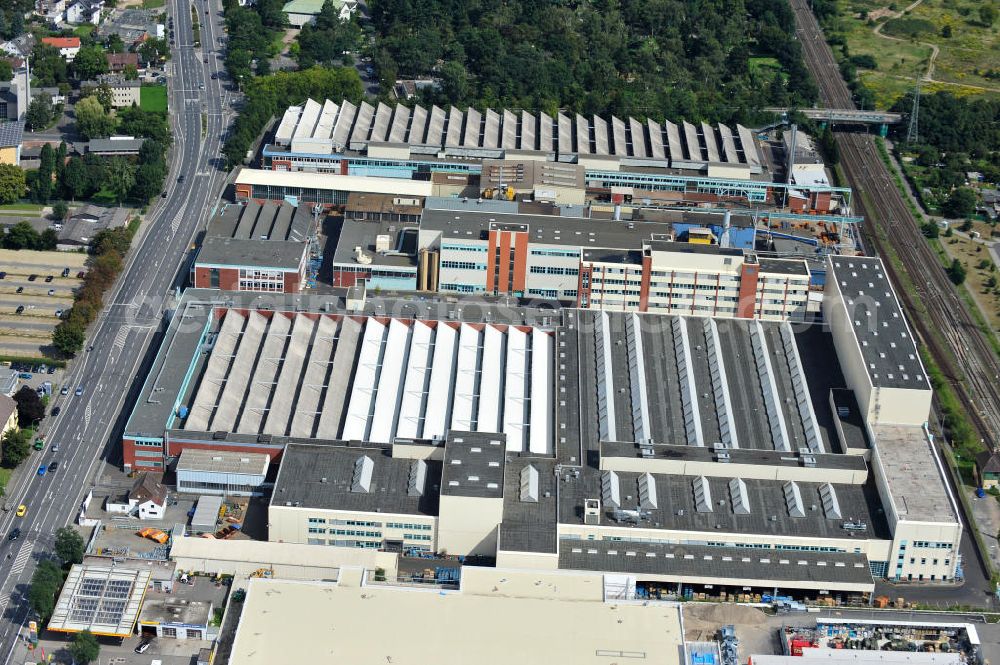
(468, 525)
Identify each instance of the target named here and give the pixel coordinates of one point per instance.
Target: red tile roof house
(68, 46)
(117, 62)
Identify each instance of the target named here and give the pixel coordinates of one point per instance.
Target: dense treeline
(676, 58)
(268, 97)
(252, 32)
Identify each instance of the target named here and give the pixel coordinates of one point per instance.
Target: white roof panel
(674, 141)
(362, 124)
(418, 126)
(288, 123)
(418, 375)
(656, 139)
(508, 131)
(435, 128)
(582, 127)
(541, 393)
(465, 378)
(545, 133)
(307, 121)
(380, 127)
(390, 383)
(529, 123)
(488, 418)
(565, 135)
(400, 122)
(314, 379)
(638, 138)
(288, 379)
(728, 145)
(600, 136)
(439, 396)
(365, 374)
(342, 128)
(341, 368)
(473, 125)
(750, 153)
(454, 138)
(515, 402)
(491, 133)
(708, 133)
(266, 373)
(620, 145)
(239, 374)
(215, 372)
(692, 143)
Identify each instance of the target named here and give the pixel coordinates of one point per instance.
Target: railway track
(948, 330)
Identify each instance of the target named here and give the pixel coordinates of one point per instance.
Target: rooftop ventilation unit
(647, 491)
(529, 484)
(417, 479)
(611, 492)
(361, 480)
(793, 499)
(831, 506)
(592, 511)
(702, 494)
(739, 497)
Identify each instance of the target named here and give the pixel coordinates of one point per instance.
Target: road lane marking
(22, 559)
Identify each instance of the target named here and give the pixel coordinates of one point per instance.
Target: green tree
(131, 73)
(92, 120)
(115, 44)
(21, 236)
(119, 177)
(30, 409)
(89, 63)
(48, 240)
(956, 272)
(987, 13)
(60, 210)
(960, 203)
(12, 183)
(68, 336)
(45, 585)
(85, 648)
(75, 181)
(47, 66)
(6, 71)
(69, 546)
(16, 448)
(930, 230)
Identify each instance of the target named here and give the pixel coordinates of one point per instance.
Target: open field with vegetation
(901, 39)
(153, 98)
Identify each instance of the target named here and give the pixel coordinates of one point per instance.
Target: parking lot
(35, 288)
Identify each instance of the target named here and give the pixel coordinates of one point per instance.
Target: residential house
(80, 229)
(19, 46)
(8, 414)
(988, 469)
(68, 46)
(81, 12)
(119, 62)
(301, 12)
(147, 499)
(51, 11)
(11, 138)
(124, 92)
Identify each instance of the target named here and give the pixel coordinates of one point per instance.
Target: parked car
(51, 370)
(143, 646)
(3, 274)
(48, 279)
(56, 410)
(65, 272)
(32, 278)
(64, 391)
(20, 309)
(81, 274)
(52, 292)
(24, 375)
(20, 289)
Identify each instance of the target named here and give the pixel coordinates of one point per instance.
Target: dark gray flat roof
(474, 464)
(262, 222)
(784, 266)
(736, 563)
(757, 457)
(769, 515)
(546, 229)
(238, 252)
(529, 526)
(303, 468)
(878, 322)
(362, 233)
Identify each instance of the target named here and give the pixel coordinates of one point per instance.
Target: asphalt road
(122, 333)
